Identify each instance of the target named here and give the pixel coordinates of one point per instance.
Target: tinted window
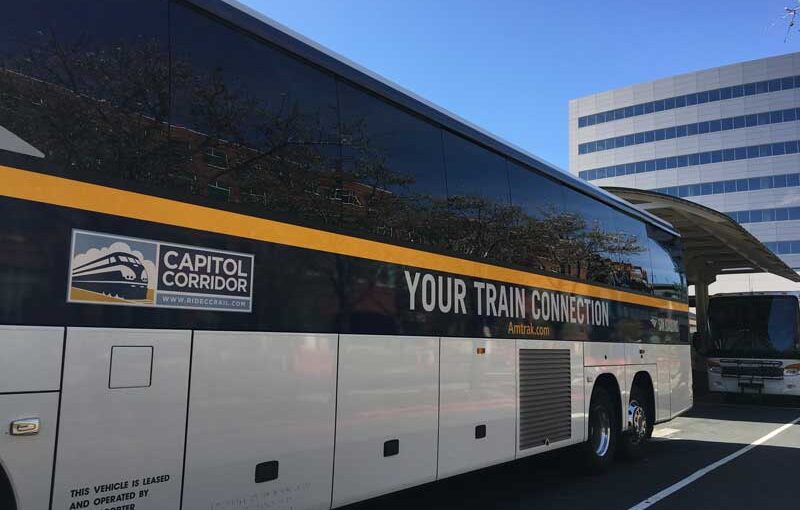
(539, 203)
(473, 171)
(478, 200)
(85, 85)
(631, 255)
(757, 326)
(393, 165)
(590, 239)
(536, 195)
(252, 124)
(667, 276)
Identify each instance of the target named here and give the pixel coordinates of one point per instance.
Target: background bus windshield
(754, 326)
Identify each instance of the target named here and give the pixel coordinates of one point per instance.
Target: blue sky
(511, 66)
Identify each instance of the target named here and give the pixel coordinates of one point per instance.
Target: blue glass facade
(694, 129)
(784, 247)
(706, 96)
(694, 159)
(732, 185)
(762, 215)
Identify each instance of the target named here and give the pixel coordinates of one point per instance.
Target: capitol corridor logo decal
(114, 270)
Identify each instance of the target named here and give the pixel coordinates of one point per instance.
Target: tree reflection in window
(92, 101)
(229, 118)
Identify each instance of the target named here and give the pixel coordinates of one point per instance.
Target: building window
(707, 96)
(703, 158)
(733, 186)
(762, 215)
(712, 126)
(216, 158)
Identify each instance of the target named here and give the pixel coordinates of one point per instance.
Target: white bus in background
(754, 343)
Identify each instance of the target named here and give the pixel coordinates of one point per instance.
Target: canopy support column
(701, 307)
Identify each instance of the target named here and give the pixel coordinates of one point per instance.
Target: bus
(754, 343)
(240, 272)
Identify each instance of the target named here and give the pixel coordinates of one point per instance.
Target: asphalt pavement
(704, 459)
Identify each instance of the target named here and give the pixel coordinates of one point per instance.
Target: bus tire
(601, 445)
(7, 500)
(640, 424)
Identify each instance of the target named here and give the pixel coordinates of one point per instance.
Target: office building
(727, 138)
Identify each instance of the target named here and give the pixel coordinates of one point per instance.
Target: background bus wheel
(599, 449)
(640, 425)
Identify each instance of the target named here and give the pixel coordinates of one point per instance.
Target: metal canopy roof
(713, 243)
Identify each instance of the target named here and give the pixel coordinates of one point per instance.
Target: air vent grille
(544, 397)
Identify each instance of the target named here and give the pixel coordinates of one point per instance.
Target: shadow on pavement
(746, 409)
(555, 480)
(749, 399)
(765, 476)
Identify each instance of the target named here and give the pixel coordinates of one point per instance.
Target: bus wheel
(640, 426)
(7, 501)
(599, 449)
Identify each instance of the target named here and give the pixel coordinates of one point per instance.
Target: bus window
(667, 277)
(473, 171)
(392, 162)
(86, 86)
(478, 200)
(590, 239)
(538, 205)
(251, 124)
(632, 258)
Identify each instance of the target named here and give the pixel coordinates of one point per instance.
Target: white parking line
(711, 467)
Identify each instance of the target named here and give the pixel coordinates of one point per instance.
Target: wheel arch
(7, 499)
(608, 381)
(643, 381)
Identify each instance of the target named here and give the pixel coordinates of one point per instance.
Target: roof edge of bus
(795, 293)
(346, 68)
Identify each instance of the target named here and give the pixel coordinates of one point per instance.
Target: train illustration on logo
(116, 274)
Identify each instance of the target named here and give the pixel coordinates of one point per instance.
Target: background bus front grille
(752, 371)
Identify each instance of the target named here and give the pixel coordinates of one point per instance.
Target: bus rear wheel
(601, 445)
(7, 501)
(640, 425)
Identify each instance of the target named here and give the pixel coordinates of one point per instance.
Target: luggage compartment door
(477, 404)
(386, 421)
(123, 419)
(261, 418)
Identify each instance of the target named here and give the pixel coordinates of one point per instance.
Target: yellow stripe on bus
(63, 192)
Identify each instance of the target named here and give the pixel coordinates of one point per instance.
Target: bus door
(30, 374)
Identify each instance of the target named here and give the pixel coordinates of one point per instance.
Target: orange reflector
(481, 350)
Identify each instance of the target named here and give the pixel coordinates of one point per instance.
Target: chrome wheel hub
(637, 421)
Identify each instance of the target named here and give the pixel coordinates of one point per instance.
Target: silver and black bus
(323, 288)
